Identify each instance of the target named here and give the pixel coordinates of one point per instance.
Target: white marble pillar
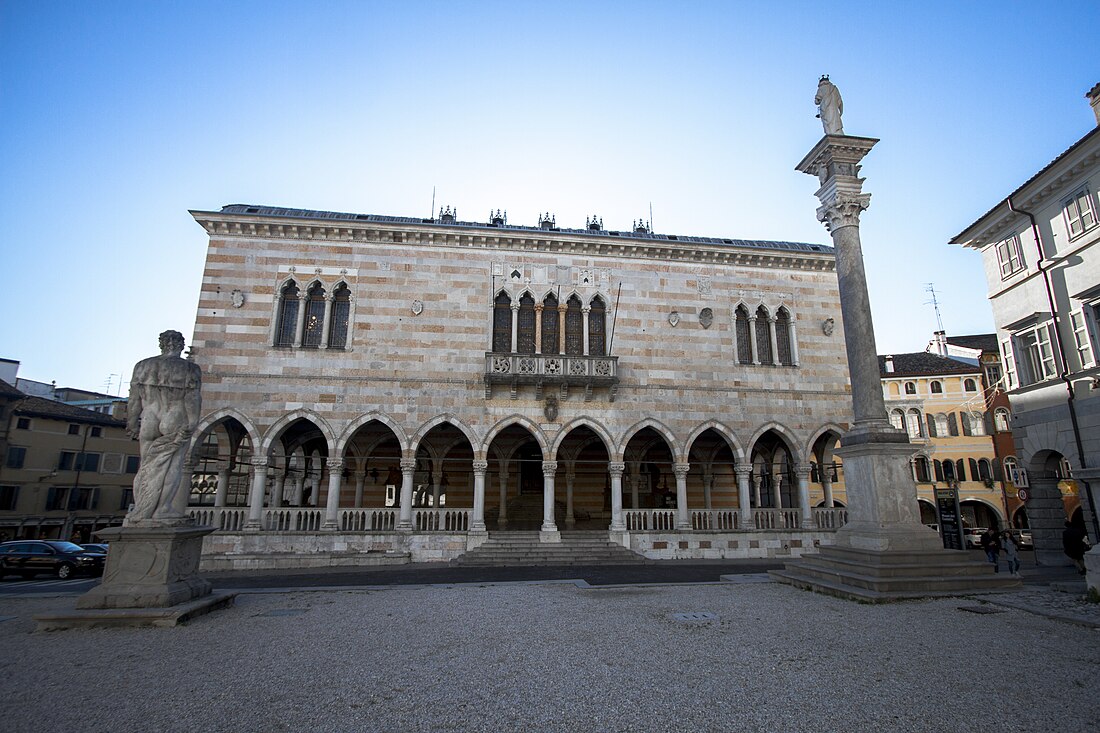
(794, 341)
(477, 521)
(515, 327)
(752, 340)
(335, 468)
(502, 479)
(774, 341)
(618, 522)
(708, 489)
(325, 322)
(360, 480)
(549, 468)
(683, 517)
(586, 310)
(827, 487)
(744, 499)
(222, 491)
(757, 479)
(437, 482)
(303, 302)
(777, 490)
(802, 473)
(538, 328)
(256, 496)
(279, 490)
(298, 486)
(570, 520)
(562, 310)
(404, 518)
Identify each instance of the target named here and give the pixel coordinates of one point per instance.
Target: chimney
(889, 359)
(941, 343)
(1093, 95)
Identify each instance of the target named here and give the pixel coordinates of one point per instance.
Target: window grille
(315, 317)
(783, 337)
(525, 343)
(288, 315)
(744, 338)
(574, 327)
(550, 322)
(597, 322)
(763, 336)
(340, 315)
(502, 324)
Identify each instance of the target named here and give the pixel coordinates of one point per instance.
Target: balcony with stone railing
(552, 372)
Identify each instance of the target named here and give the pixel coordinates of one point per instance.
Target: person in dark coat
(992, 546)
(1075, 545)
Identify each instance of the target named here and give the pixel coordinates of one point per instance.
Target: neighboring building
(1041, 251)
(67, 471)
(368, 373)
(940, 402)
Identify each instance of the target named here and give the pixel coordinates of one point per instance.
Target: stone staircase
(512, 549)
(891, 576)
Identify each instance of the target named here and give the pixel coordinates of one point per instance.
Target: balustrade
(716, 520)
(441, 520)
(650, 520)
(777, 518)
(367, 520)
(222, 519)
(293, 520)
(830, 517)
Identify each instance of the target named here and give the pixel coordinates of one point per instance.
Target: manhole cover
(694, 617)
(284, 612)
(981, 609)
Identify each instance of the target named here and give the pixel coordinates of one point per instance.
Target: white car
(973, 536)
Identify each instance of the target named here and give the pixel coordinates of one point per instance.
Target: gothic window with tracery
(550, 333)
(288, 315)
(315, 316)
(574, 327)
(783, 337)
(502, 324)
(339, 317)
(741, 332)
(525, 344)
(597, 328)
(763, 336)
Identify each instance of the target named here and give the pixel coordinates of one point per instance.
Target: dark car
(96, 548)
(63, 559)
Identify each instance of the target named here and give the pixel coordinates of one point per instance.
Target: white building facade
(1041, 251)
(401, 387)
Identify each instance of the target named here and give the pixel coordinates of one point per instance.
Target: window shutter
(998, 473)
(939, 470)
(931, 419)
(960, 470)
(975, 474)
(966, 429)
(952, 425)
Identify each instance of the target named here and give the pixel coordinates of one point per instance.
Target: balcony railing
(551, 370)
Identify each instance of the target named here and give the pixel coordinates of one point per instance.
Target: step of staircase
(518, 549)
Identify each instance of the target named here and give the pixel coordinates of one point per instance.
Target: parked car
(973, 536)
(1023, 539)
(96, 547)
(64, 559)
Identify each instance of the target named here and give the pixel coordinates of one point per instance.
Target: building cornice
(220, 224)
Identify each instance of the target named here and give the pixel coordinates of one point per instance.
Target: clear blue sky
(116, 118)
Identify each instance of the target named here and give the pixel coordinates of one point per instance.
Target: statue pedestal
(151, 579)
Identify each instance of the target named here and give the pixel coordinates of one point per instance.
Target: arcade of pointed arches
(375, 475)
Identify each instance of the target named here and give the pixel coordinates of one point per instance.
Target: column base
(252, 526)
(477, 527)
(550, 535)
(330, 526)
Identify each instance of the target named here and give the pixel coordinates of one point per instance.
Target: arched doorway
(582, 459)
(712, 482)
(651, 476)
(1047, 512)
(514, 482)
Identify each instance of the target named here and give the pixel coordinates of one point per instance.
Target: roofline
(1001, 208)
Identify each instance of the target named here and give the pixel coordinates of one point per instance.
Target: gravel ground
(556, 658)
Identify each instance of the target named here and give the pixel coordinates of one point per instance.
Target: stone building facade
(401, 385)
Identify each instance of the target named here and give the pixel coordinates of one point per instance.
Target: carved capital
(260, 462)
(743, 472)
(480, 467)
(549, 468)
(408, 464)
(843, 210)
(616, 469)
(681, 469)
(802, 471)
(334, 464)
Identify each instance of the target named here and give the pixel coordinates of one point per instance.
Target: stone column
(708, 488)
(325, 322)
(515, 327)
(752, 339)
(618, 523)
(635, 488)
(794, 341)
(222, 491)
(683, 518)
(549, 531)
(744, 499)
(437, 480)
(585, 310)
(777, 490)
(538, 327)
(802, 473)
(360, 480)
(774, 340)
(477, 521)
(332, 501)
(827, 487)
(570, 520)
(256, 496)
(502, 516)
(280, 488)
(562, 310)
(303, 301)
(404, 518)
(883, 513)
(756, 481)
(298, 483)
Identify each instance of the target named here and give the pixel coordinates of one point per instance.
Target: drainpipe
(1064, 375)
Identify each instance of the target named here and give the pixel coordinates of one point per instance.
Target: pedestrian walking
(1075, 544)
(1012, 553)
(992, 546)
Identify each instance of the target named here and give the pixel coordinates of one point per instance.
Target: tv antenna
(931, 288)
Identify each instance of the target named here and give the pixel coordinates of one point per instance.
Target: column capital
(408, 464)
(802, 470)
(514, 306)
(260, 462)
(334, 464)
(539, 307)
(480, 466)
(743, 471)
(842, 210)
(549, 468)
(616, 469)
(681, 469)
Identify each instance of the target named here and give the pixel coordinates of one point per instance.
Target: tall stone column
(437, 482)
(298, 484)
(404, 516)
(683, 518)
(515, 327)
(222, 491)
(802, 473)
(585, 311)
(773, 340)
(708, 489)
(477, 521)
(882, 513)
(570, 475)
(752, 339)
(332, 501)
(326, 321)
(360, 480)
(538, 327)
(256, 496)
(502, 479)
(757, 479)
(777, 490)
(563, 308)
(618, 523)
(827, 487)
(549, 531)
(279, 485)
(744, 498)
(303, 302)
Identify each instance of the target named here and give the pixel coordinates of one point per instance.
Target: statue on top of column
(163, 411)
(830, 106)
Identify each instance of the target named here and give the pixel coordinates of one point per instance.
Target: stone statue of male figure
(829, 106)
(163, 410)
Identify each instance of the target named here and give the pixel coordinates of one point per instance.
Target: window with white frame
(1080, 213)
(936, 387)
(1000, 420)
(910, 388)
(1085, 353)
(1009, 362)
(913, 423)
(1034, 354)
(1009, 256)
